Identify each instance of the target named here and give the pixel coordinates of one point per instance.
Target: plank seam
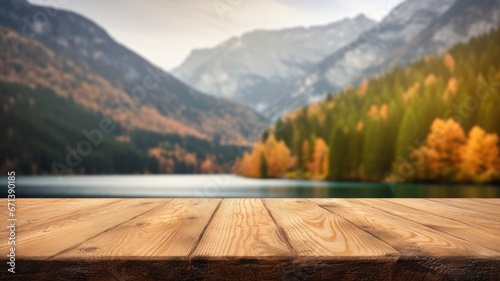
(281, 231)
(77, 212)
(106, 230)
(356, 226)
(429, 212)
(205, 229)
(460, 239)
(463, 206)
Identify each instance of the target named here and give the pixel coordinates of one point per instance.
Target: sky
(165, 31)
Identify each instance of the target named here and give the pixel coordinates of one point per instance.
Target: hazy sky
(165, 31)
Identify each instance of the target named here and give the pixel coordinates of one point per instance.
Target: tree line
(436, 120)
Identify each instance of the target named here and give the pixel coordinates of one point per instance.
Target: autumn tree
(277, 156)
(449, 62)
(207, 166)
(480, 157)
(319, 164)
(442, 149)
(251, 162)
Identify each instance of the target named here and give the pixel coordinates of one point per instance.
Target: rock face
(87, 45)
(465, 19)
(370, 51)
(412, 30)
(262, 66)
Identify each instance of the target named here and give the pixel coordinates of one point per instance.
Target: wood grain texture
(173, 229)
(492, 201)
(471, 205)
(30, 217)
(313, 231)
(66, 232)
(459, 228)
(409, 238)
(255, 239)
(490, 223)
(242, 227)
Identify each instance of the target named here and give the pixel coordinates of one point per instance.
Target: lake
(228, 186)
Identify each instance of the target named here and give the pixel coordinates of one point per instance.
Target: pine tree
(337, 154)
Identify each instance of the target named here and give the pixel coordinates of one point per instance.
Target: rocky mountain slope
(261, 66)
(464, 20)
(370, 50)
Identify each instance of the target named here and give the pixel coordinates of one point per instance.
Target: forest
(436, 120)
(41, 129)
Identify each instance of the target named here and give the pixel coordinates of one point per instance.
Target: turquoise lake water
(229, 186)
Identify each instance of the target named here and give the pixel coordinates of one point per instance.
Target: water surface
(229, 186)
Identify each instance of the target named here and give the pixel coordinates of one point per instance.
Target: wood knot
(89, 249)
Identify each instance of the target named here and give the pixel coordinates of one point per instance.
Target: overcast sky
(165, 31)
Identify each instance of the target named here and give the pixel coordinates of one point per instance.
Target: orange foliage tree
(480, 158)
(319, 164)
(449, 62)
(249, 165)
(270, 159)
(278, 157)
(442, 149)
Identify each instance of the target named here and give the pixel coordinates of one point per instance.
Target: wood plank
(172, 229)
(454, 227)
(409, 238)
(66, 233)
(313, 231)
(242, 227)
(493, 201)
(471, 205)
(30, 217)
(486, 221)
(322, 244)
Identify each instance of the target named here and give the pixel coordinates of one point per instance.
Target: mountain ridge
(261, 65)
(79, 39)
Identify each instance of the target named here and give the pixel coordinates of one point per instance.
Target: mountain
(263, 65)
(464, 20)
(54, 122)
(370, 50)
(159, 101)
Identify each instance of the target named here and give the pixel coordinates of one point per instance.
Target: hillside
(45, 133)
(464, 20)
(369, 50)
(162, 103)
(433, 121)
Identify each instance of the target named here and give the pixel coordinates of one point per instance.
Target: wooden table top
(439, 238)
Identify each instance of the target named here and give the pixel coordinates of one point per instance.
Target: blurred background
(343, 91)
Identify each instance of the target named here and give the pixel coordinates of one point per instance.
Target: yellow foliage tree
(249, 165)
(207, 166)
(449, 62)
(411, 92)
(430, 80)
(451, 88)
(443, 148)
(384, 111)
(373, 112)
(481, 158)
(363, 88)
(360, 126)
(278, 157)
(319, 164)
